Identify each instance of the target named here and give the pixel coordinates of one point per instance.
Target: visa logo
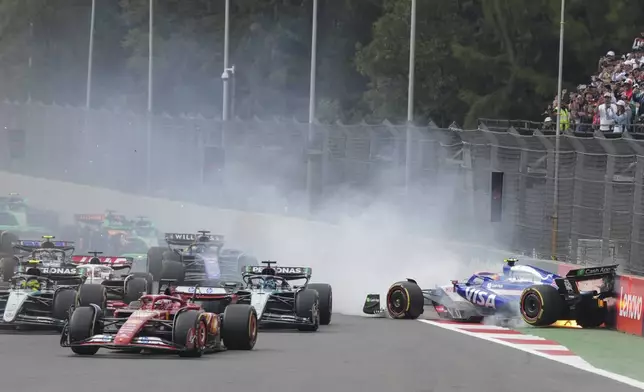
(480, 297)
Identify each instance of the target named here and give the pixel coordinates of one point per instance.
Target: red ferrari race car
(161, 322)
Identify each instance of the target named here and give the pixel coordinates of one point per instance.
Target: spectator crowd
(611, 102)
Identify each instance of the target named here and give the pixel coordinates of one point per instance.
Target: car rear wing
(592, 273)
(30, 245)
(116, 262)
(284, 272)
(185, 239)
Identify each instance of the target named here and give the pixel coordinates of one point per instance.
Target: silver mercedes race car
(277, 302)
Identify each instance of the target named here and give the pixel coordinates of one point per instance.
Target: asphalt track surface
(353, 353)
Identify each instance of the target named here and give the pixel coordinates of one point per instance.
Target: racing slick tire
(155, 261)
(541, 305)
(307, 305)
(63, 301)
(191, 332)
(591, 312)
(326, 301)
(9, 265)
(90, 293)
(173, 270)
(134, 289)
(82, 325)
(405, 300)
(239, 327)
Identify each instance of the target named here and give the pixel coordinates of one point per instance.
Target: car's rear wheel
(63, 301)
(541, 305)
(92, 294)
(155, 261)
(405, 300)
(591, 313)
(173, 270)
(134, 289)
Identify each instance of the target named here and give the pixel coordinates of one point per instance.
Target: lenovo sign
(629, 315)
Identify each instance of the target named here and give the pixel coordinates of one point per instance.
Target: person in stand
(606, 112)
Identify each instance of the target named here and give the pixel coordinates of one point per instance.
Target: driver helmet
(163, 304)
(270, 283)
(32, 284)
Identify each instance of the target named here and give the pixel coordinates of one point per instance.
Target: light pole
(88, 93)
(149, 116)
(410, 97)
(555, 203)
(310, 170)
(225, 76)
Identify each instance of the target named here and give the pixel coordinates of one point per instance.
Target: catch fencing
(271, 165)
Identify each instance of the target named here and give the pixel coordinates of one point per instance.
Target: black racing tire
(134, 289)
(91, 293)
(9, 267)
(148, 278)
(325, 293)
(173, 270)
(191, 332)
(155, 261)
(64, 300)
(239, 327)
(82, 325)
(589, 313)
(405, 300)
(307, 305)
(541, 305)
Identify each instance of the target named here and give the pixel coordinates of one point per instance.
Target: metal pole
(88, 93)
(310, 166)
(225, 110)
(410, 96)
(555, 203)
(314, 46)
(149, 117)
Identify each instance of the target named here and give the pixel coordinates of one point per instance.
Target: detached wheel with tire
(405, 300)
(89, 294)
(190, 331)
(541, 305)
(325, 294)
(239, 327)
(83, 324)
(307, 305)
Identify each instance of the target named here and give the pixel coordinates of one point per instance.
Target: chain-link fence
(272, 165)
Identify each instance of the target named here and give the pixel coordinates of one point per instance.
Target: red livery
(161, 322)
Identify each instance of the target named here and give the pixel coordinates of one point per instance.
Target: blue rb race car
(537, 296)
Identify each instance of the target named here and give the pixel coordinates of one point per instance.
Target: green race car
(18, 219)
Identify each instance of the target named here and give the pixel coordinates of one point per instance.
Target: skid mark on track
(536, 345)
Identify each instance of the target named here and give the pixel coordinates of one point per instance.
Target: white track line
(570, 361)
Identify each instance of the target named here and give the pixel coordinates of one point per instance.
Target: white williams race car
(268, 290)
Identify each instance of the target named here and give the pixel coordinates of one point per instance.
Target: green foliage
(474, 58)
